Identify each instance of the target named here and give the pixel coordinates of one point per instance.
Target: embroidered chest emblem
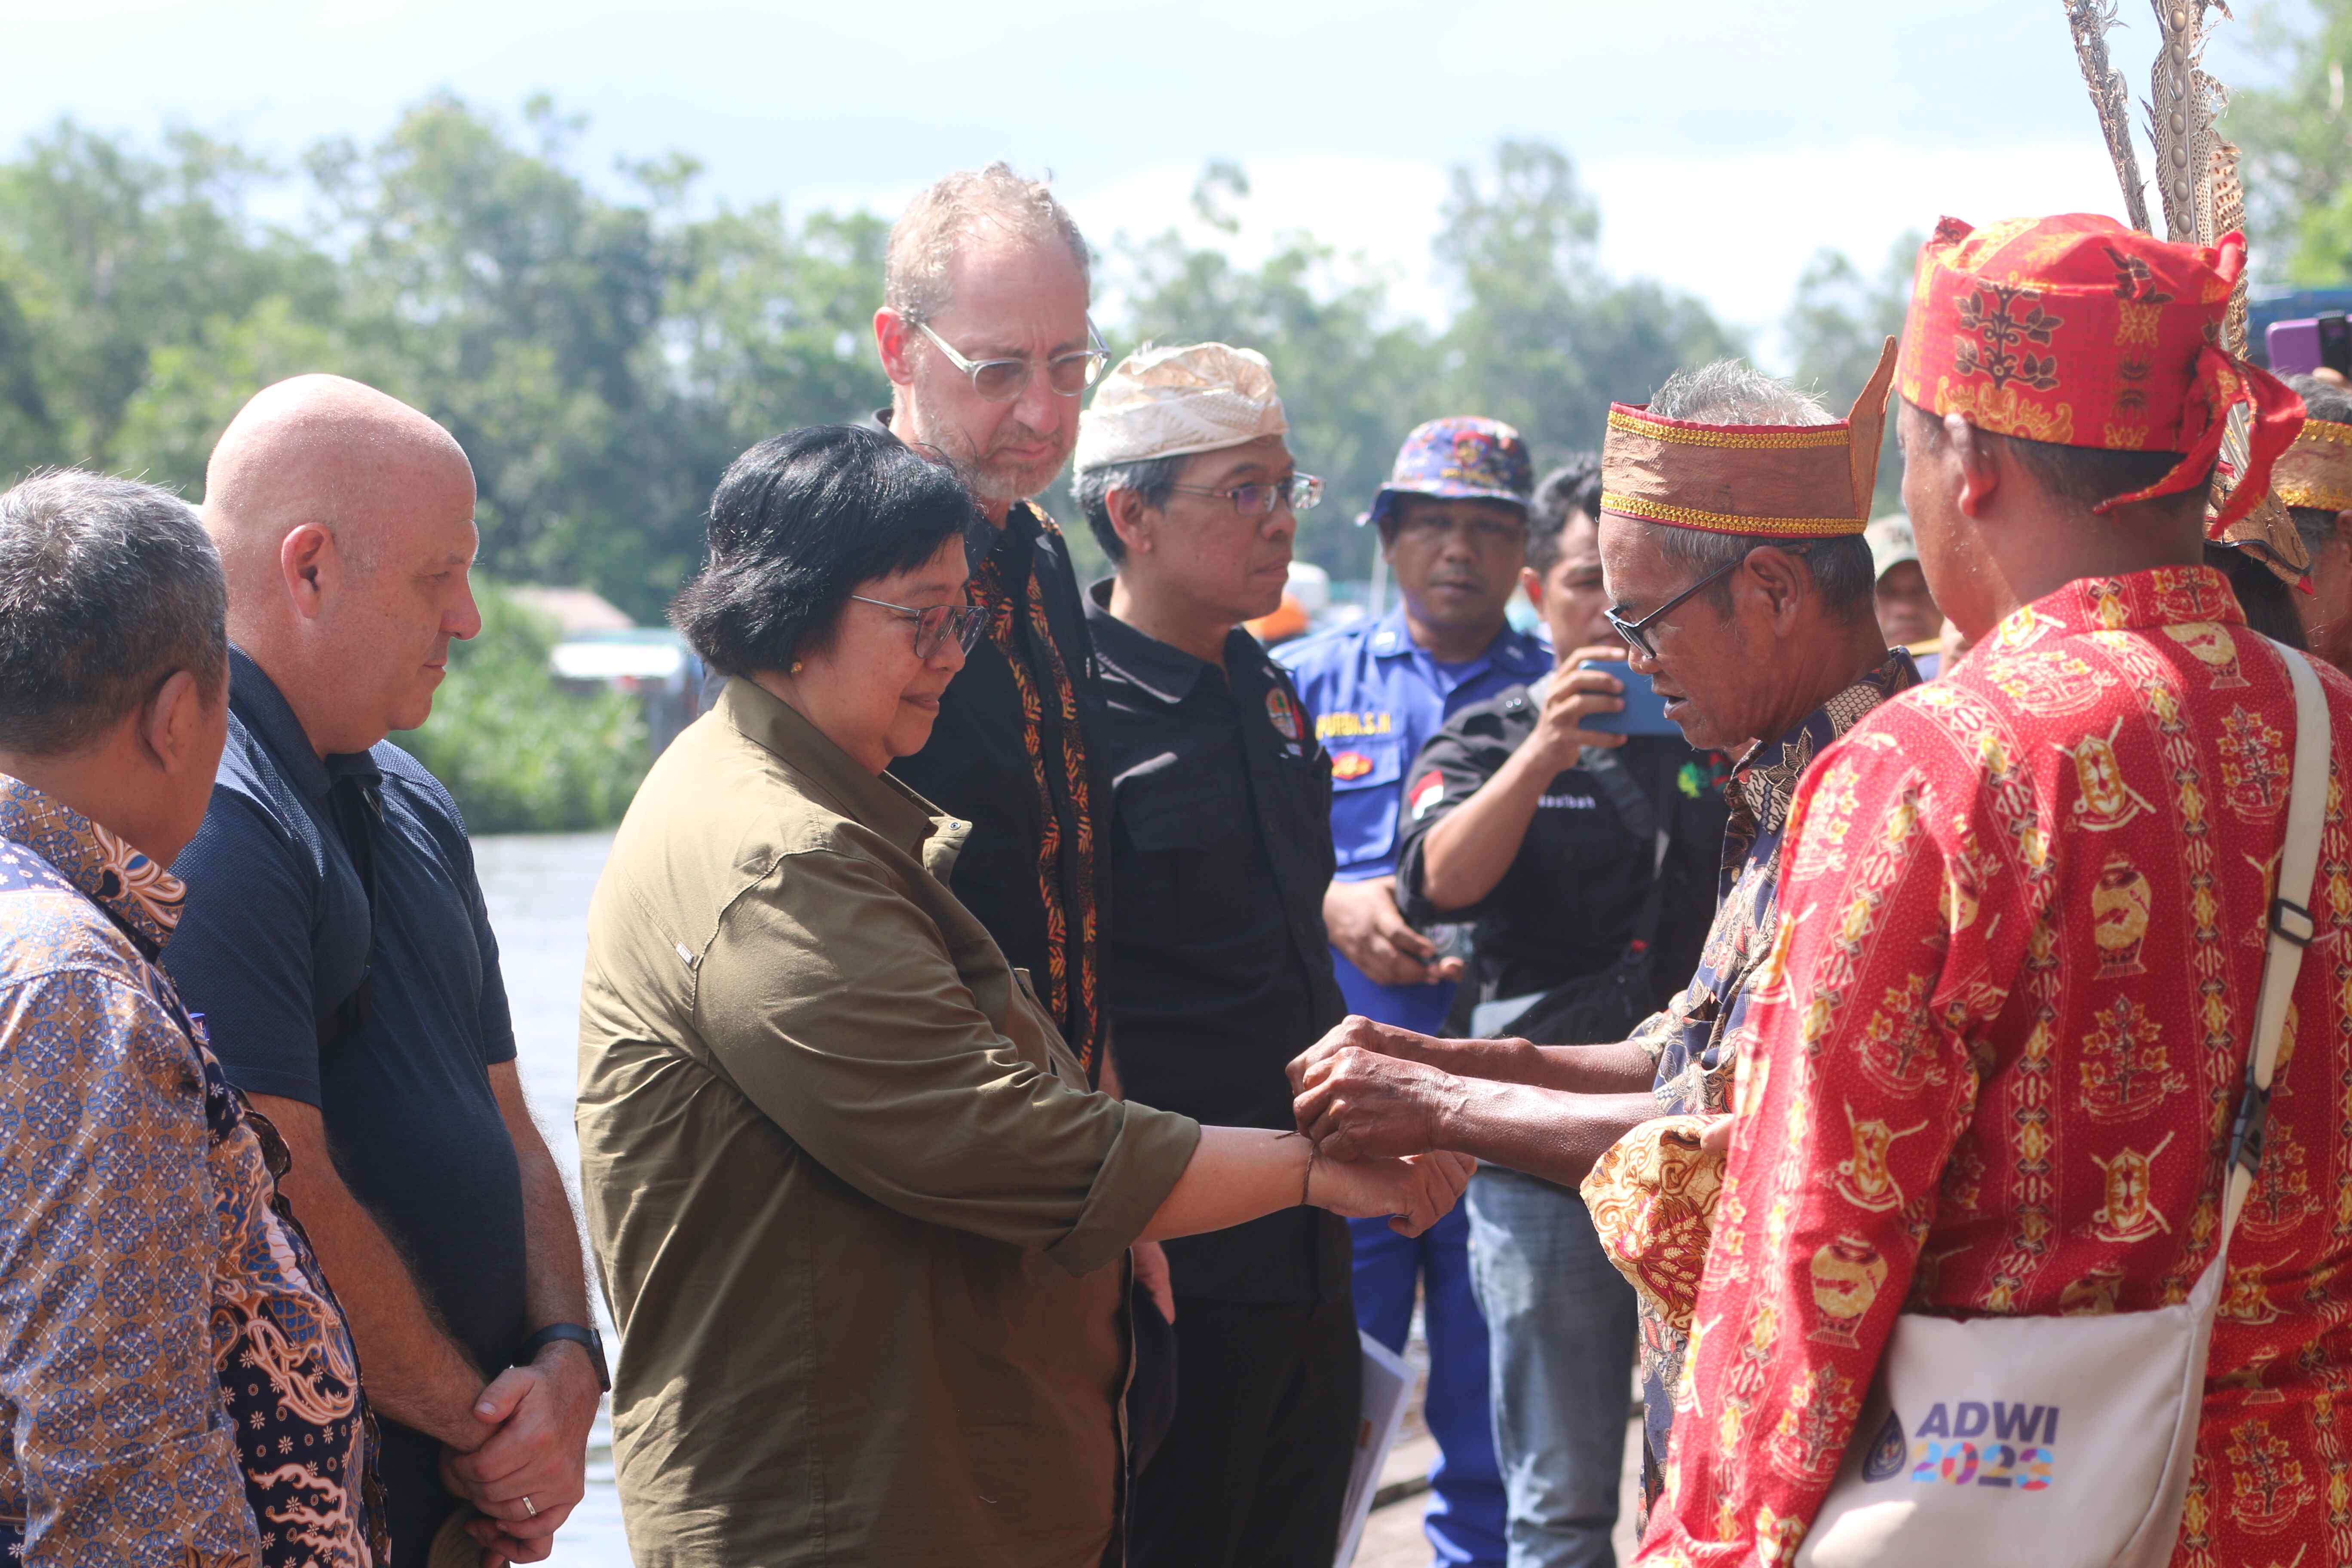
(1282, 713)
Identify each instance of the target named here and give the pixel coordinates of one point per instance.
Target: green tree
(1352, 377)
(1545, 339)
(109, 256)
(2297, 135)
(1835, 331)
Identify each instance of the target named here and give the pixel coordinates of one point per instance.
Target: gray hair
(1153, 478)
(106, 586)
(1731, 391)
(923, 241)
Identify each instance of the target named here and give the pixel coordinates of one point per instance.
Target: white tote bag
(2066, 1442)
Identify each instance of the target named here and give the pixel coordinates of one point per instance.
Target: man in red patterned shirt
(1992, 1067)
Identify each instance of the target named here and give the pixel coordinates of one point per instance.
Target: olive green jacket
(862, 1223)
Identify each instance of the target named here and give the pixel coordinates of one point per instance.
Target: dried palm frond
(2089, 21)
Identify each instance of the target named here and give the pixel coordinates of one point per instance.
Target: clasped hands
(529, 1468)
(1357, 1094)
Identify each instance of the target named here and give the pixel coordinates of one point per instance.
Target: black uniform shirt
(1567, 905)
(1220, 970)
(1006, 756)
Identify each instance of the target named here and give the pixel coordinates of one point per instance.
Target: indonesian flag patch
(1427, 793)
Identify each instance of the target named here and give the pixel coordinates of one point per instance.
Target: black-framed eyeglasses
(1637, 633)
(1303, 493)
(934, 624)
(1002, 380)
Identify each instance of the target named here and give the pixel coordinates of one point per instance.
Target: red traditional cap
(2078, 331)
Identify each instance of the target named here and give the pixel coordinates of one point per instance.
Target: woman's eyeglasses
(934, 624)
(1002, 380)
(1302, 492)
(1637, 633)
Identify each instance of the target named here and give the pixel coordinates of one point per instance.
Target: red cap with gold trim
(2077, 331)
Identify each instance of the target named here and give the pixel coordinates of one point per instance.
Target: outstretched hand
(1357, 1104)
(1410, 1194)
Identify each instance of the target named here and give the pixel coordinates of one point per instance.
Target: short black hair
(2088, 476)
(1153, 478)
(1574, 487)
(107, 587)
(796, 524)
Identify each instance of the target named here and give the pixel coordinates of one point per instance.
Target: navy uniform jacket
(1377, 698)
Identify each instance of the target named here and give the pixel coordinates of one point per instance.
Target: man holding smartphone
(1453, 525)
(1585, 858)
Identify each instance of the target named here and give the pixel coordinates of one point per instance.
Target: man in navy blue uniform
(1453, 523)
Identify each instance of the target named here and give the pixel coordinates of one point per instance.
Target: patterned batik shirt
(1692, 1039)
(1992, 1064)
(177, 1385)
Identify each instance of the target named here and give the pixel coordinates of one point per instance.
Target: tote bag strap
(2291, 928)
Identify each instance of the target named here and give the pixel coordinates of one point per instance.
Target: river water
(537, 887)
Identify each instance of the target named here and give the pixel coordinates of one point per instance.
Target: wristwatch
(579, 1335)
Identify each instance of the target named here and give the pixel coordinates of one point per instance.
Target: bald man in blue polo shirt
(1453, 523)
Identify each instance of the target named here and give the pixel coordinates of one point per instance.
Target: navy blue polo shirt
(1377, 698)
(277, 933)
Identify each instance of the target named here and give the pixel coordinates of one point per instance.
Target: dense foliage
(602, 349)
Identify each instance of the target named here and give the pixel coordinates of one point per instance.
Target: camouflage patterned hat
(1458, 459)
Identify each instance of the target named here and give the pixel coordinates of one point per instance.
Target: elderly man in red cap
(1992, 1068)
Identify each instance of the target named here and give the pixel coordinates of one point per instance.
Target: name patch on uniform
(1346, 726)
(1567, 802)
(1427, 793)
(1351, 765)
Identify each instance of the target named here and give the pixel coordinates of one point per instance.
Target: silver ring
(527, 1507)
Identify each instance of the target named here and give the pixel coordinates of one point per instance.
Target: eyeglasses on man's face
(934, 624)
(1637, 633)
(1300, 492)
(1002, 380)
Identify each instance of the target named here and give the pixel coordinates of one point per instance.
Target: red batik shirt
(1993, 1065)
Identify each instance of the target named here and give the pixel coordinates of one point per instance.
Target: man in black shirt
(1220, 970)
(336, 940)
(1565, 847)
(985, 337)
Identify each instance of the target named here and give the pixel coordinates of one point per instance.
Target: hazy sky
(1726, 139)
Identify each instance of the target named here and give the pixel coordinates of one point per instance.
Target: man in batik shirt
(1732, 515)
(1994, 1068)
(177, 1385)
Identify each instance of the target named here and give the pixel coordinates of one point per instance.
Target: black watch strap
(579, 1335)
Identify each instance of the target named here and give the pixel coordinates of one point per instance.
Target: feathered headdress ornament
(2198, 191)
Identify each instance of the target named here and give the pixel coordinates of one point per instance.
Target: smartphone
(2298, 348)
(1644, 712)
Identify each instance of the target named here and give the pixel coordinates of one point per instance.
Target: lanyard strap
(2291, 930)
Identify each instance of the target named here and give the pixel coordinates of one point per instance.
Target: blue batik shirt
(1692, 1039)
(178, 1388)
(1377, 698)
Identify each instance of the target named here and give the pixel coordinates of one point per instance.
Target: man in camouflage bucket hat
(1452, 528)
